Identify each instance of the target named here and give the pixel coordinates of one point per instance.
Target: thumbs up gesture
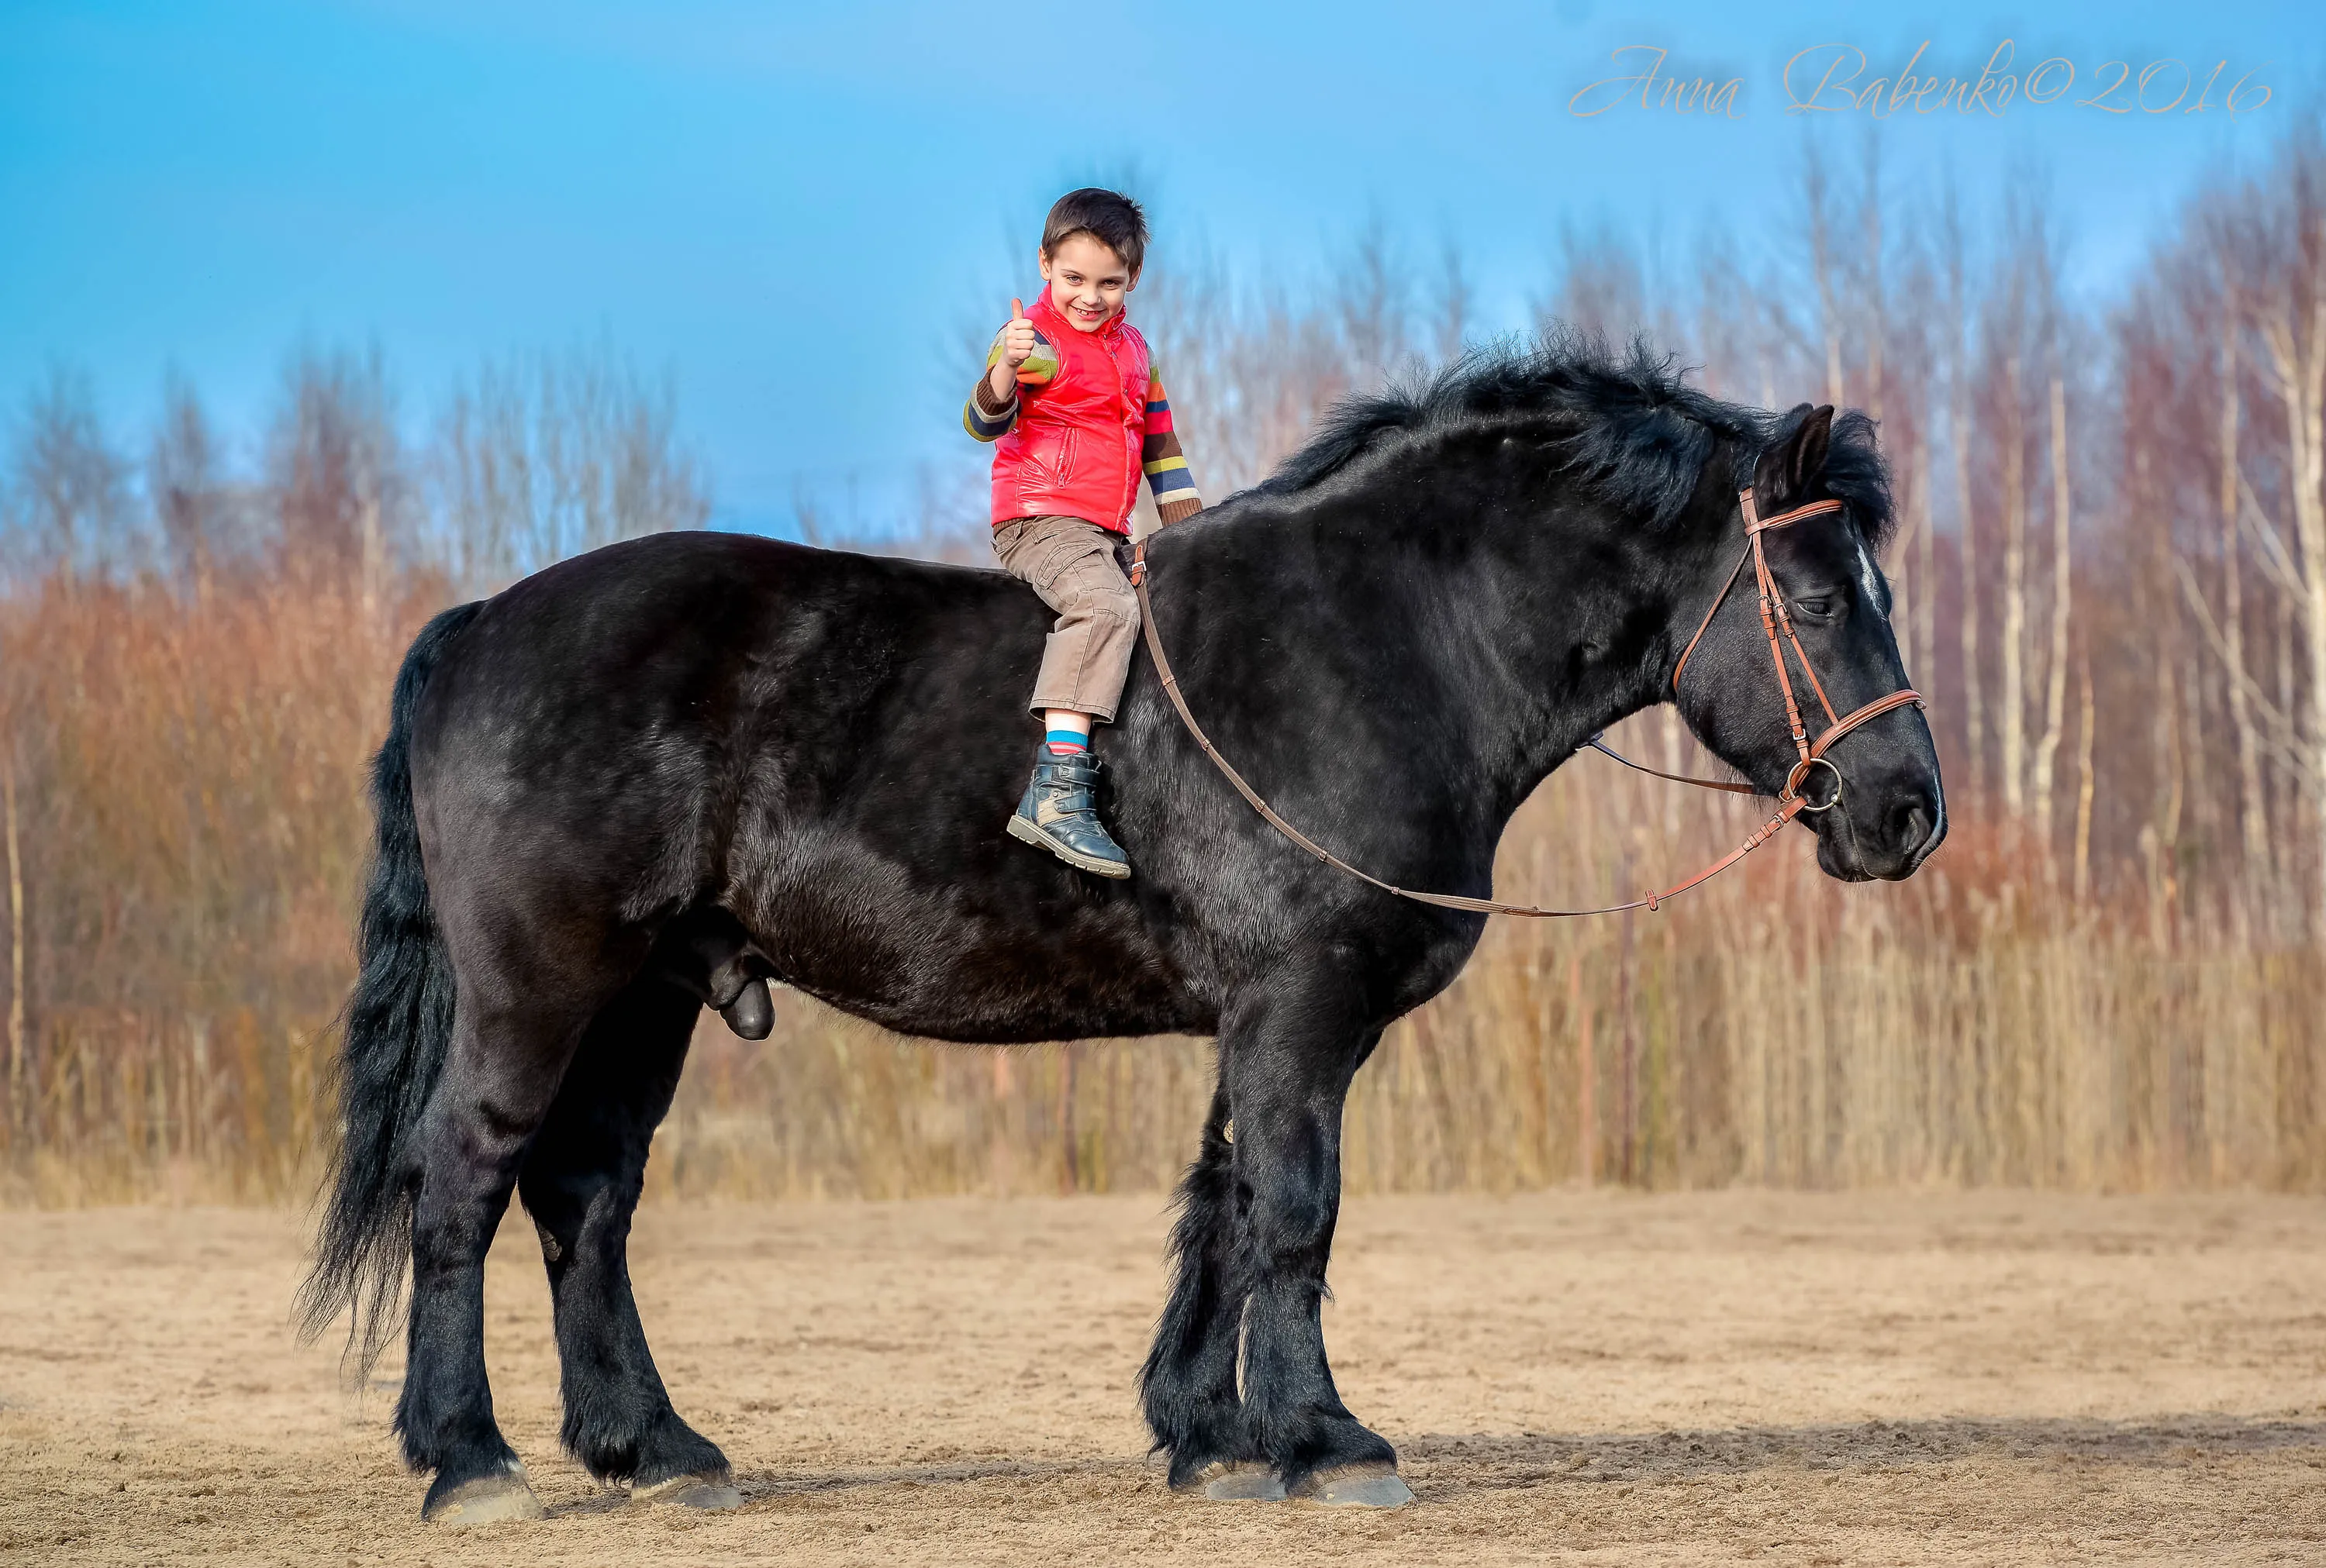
(1018, 337)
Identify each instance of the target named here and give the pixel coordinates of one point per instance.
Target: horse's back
(826, 744)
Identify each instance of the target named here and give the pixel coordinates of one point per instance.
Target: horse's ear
(1784, 473)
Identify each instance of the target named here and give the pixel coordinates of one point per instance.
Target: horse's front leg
(1289, 1063)
(1188, 1386)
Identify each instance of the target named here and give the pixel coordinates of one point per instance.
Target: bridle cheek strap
(1774, 620)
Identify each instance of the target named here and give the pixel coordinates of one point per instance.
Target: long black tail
(397, 1027)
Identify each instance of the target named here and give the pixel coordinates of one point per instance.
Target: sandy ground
(1898, 1378)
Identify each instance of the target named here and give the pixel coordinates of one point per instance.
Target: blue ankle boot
(1059, 813)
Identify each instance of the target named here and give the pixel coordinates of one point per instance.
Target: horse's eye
(1815, 608)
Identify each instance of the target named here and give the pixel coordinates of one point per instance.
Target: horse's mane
(1628, 425)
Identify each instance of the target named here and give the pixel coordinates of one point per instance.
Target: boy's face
(1088, 281)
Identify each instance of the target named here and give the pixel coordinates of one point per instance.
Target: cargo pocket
(1060, 565)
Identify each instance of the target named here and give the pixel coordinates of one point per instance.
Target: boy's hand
(1018, 337)
(1016, 348)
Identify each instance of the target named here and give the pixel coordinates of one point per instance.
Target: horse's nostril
(1913, 828)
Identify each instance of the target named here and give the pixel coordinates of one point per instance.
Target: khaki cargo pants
(1071, 564)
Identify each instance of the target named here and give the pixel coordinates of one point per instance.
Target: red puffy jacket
(1074, 448)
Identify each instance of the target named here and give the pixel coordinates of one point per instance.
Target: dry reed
(194, 821)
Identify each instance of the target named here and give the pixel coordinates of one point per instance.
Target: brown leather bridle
(1775, 617)
(1775, 620)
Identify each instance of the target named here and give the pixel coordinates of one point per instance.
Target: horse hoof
(1241, 1482)
(492, 1499)
(1357, 1486)
(709, 1490)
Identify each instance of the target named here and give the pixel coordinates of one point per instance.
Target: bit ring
(1801, 770)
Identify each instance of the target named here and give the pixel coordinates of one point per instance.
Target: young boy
(1071, 396)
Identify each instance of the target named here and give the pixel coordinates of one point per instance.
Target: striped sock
(1066, 740)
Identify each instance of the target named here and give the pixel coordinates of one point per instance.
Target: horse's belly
(974, 963)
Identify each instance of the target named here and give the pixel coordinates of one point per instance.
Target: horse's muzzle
(1887, 842)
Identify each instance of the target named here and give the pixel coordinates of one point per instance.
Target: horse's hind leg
(1188, 1386)
(499, 1077)
(581, 1182)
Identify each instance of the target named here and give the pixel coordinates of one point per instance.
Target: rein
(1774, 620)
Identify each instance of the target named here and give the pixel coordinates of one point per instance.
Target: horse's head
(1879, 810)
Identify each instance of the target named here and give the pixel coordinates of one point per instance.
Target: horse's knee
(1293, 1188)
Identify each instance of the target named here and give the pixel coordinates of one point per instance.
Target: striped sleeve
(980, 416)
(1167, 476)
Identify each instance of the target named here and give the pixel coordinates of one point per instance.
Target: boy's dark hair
(1108, 216)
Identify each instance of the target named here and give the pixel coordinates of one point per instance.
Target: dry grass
(188, 832)
(190, 826)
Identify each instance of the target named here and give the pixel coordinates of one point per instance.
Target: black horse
(699, 743)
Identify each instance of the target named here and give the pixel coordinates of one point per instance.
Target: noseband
(1775, 620)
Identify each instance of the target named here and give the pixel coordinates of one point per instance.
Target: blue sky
(798, 211)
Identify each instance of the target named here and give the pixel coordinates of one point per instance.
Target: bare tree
(1818, 196)
(2253, 811)
(67, 498)
(2011, 701)
(1959, 442)
(542, 456)
(2055, 694)
(1727, 310)
(1876, 312)
(1604, 289)
(184, 482)
(2082, 885)
(342, 501)
(1454, 304)
(1600, 286)
(2291, 309)
(1373, 298)
(2021, 329)
(19, 1057)
(1924, 620)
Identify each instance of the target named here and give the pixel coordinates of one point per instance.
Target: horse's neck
(1526, 616)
